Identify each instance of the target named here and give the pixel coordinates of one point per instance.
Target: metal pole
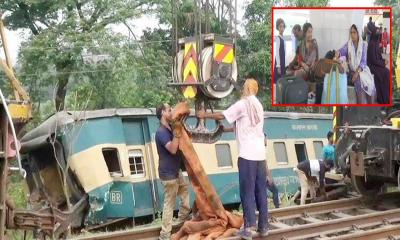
(207, 20)
(175, 46)
(230, 17)
(222, 15)
(334, 124)
(173, 27)
(199, 17)
(3, 171)
(234, 37)
(176, 27)
(195, 18)
(199, 43)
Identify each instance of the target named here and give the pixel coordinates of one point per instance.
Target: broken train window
(112, 160)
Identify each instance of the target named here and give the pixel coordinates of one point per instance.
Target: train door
(140, 166)
(301, 151)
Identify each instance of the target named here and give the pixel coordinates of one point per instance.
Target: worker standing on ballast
(170, 173)
(247, 115)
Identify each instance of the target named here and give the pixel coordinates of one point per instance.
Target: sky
(351, 3)
(16, 37)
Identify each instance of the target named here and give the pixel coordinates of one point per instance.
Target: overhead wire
(116, 69)
(98, 46)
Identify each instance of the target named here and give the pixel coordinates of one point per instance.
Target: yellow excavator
(15, 112)
(20, 107)
(398, 67)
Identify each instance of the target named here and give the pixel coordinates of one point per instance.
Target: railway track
(351, 218)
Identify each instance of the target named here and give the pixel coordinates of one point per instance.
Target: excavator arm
(20, 108)
(398, 67)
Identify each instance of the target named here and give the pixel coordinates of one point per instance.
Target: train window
(318, 145)
(136, 163)
(112, 160)
(301, 151)
(224, 156)
(280, 152)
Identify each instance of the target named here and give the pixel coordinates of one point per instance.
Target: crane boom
(21, 107)
(398, 67)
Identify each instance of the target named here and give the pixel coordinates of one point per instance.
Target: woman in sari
(355, 51)
(378, 67)
(306, 55)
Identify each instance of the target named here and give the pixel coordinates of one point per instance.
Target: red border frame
(332, 105)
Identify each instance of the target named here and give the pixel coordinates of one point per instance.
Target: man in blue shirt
(298, 35)
(328, 151)
(169, 172)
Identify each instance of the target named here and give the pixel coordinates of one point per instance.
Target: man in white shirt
(247, 114)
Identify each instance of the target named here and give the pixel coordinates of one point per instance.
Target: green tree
(214, 16)
(61, 31)
(254, 55)
(308, 3)
(256, 46)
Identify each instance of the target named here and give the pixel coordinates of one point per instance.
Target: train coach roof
(54, 123)
(41, 134)
(295, 115)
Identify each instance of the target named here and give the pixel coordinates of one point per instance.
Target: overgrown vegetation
(17, 192)
(72, 49)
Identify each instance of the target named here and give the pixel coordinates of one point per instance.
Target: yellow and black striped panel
(190, 69)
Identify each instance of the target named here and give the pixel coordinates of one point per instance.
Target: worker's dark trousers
(275, 194)
(253, 192)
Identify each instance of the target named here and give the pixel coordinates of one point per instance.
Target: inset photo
(331, 56)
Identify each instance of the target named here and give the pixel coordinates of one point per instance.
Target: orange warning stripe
(223, 53)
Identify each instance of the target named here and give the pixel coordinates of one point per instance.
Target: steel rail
(275, 214)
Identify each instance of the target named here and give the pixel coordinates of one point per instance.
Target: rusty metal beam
(3, 170)
(50, 220)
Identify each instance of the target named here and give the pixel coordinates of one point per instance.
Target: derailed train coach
(370, 153)
(108, 160)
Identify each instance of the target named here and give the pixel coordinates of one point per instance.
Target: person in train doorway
(247, 115)
(270, 182)
(329, 150)
(169, 172)
(308, 172)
